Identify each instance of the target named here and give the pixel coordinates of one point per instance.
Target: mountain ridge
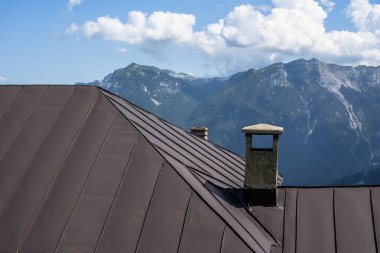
(329, 111)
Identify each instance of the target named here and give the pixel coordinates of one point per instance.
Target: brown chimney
(260, 182)
(201, 132)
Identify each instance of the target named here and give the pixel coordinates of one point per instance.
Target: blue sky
(68, 41)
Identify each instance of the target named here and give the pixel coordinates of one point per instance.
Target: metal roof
(325, 219)
(82, 170)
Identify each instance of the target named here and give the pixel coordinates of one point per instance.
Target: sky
(69, 41)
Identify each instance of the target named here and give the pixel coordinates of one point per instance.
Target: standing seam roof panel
(83, 230)
(179, 150)
(200, 236)
(195, 145)
(290, 222)
(7, 97)
(353, 220)
(43, 168)
(316, 207)
(13, 120)
(231, 158)
(215, 205)
(272, 218)
(28, 142)
(184, 150)
(166, 216)
(123, 227)
(50, 221)
(235, 208)
(232, 243)
(171, 152)
(375, 201)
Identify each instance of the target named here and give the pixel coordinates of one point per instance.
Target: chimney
(260, 182)
(201, 132)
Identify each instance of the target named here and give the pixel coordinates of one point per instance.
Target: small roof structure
(83, 170)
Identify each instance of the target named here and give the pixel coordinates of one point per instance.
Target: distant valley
(330, 113)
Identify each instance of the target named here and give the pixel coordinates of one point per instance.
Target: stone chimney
(201, 132)
(260, 182)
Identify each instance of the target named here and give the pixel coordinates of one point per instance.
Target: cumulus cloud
(3, 79)
(365, 16)
(72, 3)
(142, 28)
(293, 29)
(250, 37)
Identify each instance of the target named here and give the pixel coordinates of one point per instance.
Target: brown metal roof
(82, 170)
(79, 174)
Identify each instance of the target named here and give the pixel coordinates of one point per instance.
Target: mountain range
(330, 113)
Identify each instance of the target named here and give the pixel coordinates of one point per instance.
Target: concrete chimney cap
(199, 129)
(263, 129)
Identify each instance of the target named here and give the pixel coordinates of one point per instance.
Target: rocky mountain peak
(330, 113)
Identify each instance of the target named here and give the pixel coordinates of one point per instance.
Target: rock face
(170, 95)
(330, 113)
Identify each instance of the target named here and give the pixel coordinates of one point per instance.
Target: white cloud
(250, 37)
(292, 29)
(72, 3)
(71, 29)
(122, 50)
(3, 79)
(365, 16)
(142, 28)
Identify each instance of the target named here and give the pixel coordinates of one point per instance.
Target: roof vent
(260, 182)
(201, 132)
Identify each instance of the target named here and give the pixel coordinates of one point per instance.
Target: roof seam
(26, 120)
(184, 157)
(163, 133)
(217, 174)
(13, 100)
(184, 219)
(150, 202)
(117, 192)
(187, 135)
(56, 174)
(194, 169)
(211, 167)
(219, 148)
(191, 139)
(217, 160)
(229, 153)
(333, 199)
(85, 182)
(230, 214)
(283, 222)
(204, 175)
(209, 205)
(260, 224)
(296, 228)
(199, 192)
(34, 155)
(373, 220)
(200, 195)
(222, 241)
